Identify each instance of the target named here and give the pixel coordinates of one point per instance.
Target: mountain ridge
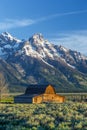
(37, 61)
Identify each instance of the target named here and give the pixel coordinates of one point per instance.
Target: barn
(48, 96)
(39, 94)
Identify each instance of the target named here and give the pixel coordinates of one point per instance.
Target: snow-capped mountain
(7, 37)
(37, 61)
(37, 47)
(40, 48)
(8, 44)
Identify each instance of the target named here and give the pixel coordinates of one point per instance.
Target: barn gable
(50, 90)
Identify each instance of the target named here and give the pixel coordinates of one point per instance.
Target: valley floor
(65, 116)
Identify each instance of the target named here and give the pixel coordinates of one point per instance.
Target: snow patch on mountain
(63, 48)
(71, 66)
(47, 63)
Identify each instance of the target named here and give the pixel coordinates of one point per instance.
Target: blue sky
(61, 21)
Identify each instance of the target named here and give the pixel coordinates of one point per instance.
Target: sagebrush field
(66, 116)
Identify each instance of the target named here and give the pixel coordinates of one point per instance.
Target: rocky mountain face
(37, 61)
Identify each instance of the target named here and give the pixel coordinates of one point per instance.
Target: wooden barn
(39, 94)
(48, 96)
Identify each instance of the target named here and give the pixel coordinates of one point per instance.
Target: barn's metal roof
(36, 89)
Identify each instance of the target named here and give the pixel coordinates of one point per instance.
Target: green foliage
(7, 100)
(65, 116)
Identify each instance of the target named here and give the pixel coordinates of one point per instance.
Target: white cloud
(73, 40)
(14, 23)
(61, 14)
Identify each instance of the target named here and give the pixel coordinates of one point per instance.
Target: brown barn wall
(48, 98)
(37, 99)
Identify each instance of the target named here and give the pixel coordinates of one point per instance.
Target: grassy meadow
(70, 115)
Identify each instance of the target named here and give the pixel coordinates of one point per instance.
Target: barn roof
(36, 89)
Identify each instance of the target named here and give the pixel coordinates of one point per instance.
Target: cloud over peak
(75, 40)
(15, 23)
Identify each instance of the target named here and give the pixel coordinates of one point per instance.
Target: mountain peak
(37, 36)
(62, 48)
(5, 33)
(5, 36)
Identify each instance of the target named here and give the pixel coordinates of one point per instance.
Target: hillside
(37, 61)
